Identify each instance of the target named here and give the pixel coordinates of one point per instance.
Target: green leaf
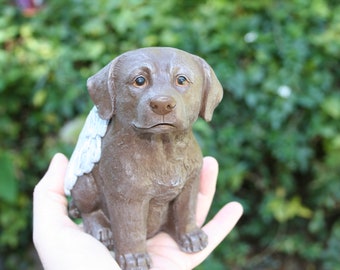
(8, 181)
(284, 210)
(331, 106)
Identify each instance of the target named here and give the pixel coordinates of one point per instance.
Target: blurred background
(276, 133)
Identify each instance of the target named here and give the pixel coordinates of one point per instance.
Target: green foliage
(8, 183)
(276, 133)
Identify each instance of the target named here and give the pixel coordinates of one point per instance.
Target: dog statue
(136, 167)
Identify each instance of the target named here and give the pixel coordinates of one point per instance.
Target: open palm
(62, 244)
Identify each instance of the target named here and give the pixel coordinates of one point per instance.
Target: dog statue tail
(88, 149)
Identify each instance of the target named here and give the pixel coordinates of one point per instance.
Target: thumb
(49, 201)
(53, 180)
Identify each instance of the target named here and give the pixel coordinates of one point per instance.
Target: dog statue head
(156, 89)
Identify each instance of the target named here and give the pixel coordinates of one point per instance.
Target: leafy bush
(276, 134)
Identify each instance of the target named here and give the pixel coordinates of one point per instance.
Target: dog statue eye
(182, 80)
(140, 81)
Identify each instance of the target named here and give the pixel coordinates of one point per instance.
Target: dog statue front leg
(129, 233)
(188, 235)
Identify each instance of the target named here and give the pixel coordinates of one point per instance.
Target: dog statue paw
(139, 261)
(136, 166)
(193, 241)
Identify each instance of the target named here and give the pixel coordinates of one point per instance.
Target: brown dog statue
(136, 167)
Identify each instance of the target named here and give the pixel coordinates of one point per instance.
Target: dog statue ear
(212, 92)
(100, 87)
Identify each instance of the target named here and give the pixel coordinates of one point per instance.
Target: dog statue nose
(162, 104)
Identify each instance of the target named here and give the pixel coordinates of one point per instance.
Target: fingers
(218, 228)
(207, 188)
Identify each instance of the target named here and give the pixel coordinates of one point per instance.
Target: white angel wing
(88, 149)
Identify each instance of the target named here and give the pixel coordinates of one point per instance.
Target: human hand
(62, 244)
